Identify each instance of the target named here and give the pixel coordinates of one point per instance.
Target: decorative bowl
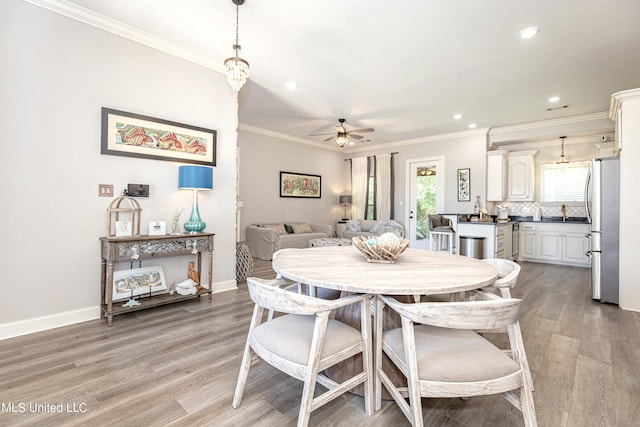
(384, 249)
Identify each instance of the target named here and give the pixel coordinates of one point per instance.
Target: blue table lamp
(195, 178)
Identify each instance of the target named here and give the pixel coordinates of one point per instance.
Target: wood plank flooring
(177, 366)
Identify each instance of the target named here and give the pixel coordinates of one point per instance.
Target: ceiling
(403, 68)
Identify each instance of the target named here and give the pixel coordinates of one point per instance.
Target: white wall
(465, 150)
(56, 74)
(630, 203)
(262, 157)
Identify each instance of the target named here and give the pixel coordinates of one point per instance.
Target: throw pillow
(377, 229)
(301, 228)
(278, 228)
(353, 225)
(288, 228)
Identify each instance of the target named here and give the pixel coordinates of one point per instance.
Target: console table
(119, 249)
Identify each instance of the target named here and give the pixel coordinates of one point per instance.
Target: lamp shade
(195, 177)
(345, 200)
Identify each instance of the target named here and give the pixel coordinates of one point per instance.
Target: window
(371, 190)
(563, 183)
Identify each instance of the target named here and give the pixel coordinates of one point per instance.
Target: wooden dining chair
(305, 341)
(508, 273)
(441, 355)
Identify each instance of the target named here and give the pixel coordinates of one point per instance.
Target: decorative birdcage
(124, 219)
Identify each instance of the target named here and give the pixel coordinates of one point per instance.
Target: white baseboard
(37, 324)
(227, 285)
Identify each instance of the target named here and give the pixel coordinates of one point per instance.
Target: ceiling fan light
(342, 139)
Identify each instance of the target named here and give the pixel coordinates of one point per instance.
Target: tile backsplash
(527, 208)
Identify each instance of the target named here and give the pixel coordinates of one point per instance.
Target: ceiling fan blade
(322, 134)
(354, 136)
(361, 130)
(328, 139)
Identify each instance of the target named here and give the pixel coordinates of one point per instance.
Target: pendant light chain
(236, 67)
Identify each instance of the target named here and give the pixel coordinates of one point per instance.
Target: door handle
(588, 253)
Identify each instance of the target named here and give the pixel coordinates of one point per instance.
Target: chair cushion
(453, 354)
(289, 337)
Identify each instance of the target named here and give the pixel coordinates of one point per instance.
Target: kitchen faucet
(563, 208)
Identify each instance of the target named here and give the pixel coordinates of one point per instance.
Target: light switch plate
(105, 190)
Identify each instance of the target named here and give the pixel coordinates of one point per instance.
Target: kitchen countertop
(545, 219)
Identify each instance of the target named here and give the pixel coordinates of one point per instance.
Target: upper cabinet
(521, 175)
(511, 175)
(497, 175)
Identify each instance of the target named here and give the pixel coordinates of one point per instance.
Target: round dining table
(415, 272)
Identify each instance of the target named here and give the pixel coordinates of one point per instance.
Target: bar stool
(441, 233)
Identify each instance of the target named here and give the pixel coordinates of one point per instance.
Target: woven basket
(378, 253)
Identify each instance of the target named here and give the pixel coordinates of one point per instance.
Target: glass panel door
(426, 198)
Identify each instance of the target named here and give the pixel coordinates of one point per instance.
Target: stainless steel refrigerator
(604, 216)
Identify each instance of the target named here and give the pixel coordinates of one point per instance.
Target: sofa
(368, 227)
(265, 239)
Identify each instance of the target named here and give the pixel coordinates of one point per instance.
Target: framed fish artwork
(135, 135)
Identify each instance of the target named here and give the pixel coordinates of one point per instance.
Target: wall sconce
(195, 178)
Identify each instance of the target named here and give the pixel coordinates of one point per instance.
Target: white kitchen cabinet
(497, 175)
(497, 237)
(527, 241)
(557, 243)
(575, 247)
(549, 245)
(521, 175)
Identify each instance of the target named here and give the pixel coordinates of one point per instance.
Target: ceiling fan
(343, 135)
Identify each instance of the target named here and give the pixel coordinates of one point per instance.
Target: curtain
(383, 186)
(359, 180)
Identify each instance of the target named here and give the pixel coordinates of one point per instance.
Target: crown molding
(422, 140)
(547, 123)
(618, 98)
(102, 22)
(596, 137)
(286, 137)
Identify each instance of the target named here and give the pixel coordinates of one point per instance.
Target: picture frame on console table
(464, 185)
(135, 135)
(293, 184)
(138, 281)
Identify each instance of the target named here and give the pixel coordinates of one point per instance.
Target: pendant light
(237, 68)
(562, 161)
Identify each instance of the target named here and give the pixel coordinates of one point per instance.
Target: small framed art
(157, 228)
(464, 185)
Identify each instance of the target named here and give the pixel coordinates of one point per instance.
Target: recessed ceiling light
(554, 99)
(529, 32)
(291, 85)
(472, 125)
(457, 116)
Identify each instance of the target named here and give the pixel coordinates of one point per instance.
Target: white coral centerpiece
(384, 248)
